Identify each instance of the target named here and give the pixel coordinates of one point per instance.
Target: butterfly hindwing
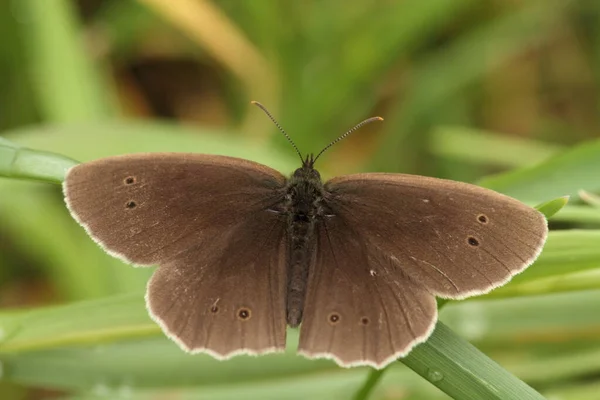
(226, 295)
(360, 308)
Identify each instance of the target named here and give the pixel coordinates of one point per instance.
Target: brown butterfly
(243, 251)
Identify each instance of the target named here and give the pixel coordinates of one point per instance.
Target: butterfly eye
(472, 241)
(244, 314)
(482, 218)
(364, 321)
(334, 318)
(130, 180)
(214, 309)
(130, 204)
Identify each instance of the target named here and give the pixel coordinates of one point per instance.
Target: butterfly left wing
(226, 295)
(359, 309)
(206, 220)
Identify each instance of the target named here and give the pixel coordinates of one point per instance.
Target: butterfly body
(304, 207)
(355, 262)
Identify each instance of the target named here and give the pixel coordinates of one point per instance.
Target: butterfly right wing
(147, 208)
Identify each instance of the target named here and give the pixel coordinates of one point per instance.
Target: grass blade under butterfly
(463, 372)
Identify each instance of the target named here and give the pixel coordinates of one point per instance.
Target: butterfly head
(307, 172)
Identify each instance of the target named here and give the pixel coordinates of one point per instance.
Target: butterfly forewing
(455, 239)
(146, 208)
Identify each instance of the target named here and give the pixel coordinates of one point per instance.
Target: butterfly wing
(206, 220)
(455, 239)
(147, 208)
(390, 243)
(226, 295)
(355, 315)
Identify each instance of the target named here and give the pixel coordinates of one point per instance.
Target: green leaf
(89, 322)
(580, 214)
(67, 83)
(23, 163)
(527, 324)
(551, 207)
(563, 175)
(565, 252)
(571, 282)
(372, 380)
(463, 372)
(459, 142)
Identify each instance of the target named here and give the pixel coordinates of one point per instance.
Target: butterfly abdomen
(304, 210)
(300, 236)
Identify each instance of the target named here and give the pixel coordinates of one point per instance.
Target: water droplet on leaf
(433, 375)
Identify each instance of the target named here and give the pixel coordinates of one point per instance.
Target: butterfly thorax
(304, 207)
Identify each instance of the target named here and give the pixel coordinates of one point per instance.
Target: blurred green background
(502, 92)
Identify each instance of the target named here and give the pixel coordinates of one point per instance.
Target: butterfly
(355, 262)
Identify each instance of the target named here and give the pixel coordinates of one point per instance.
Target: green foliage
(550, 208)
(433, 69)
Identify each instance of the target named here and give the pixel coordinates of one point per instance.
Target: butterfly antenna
(256, 103)
(366, 121)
